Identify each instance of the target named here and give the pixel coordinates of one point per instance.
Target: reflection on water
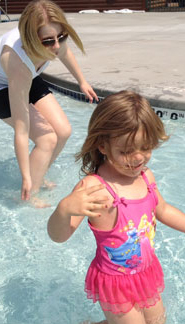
(42, 281)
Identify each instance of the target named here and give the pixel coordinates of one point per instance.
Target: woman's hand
(84, 201)
(68, 59)
(88, 91)
(26, 189)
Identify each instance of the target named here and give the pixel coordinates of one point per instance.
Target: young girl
(122, 202)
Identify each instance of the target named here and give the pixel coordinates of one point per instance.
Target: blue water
(42, 281)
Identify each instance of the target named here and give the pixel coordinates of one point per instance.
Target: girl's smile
(127, 159)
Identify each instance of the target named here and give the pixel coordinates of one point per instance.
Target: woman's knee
(64, 133)
(48, 142)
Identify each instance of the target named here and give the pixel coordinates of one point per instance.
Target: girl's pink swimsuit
(125, 271)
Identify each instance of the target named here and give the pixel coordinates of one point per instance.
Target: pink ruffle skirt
(120, 293)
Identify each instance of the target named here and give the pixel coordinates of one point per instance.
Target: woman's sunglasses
(51, 41)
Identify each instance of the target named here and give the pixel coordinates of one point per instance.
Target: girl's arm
(167, 214)
(68, 59)
(19, 83)
(72, 209)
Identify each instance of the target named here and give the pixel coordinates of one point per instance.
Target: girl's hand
(84, 201)
(81, 202)
(88, 91)
(26, 189)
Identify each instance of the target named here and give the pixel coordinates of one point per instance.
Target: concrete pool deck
(141, 51)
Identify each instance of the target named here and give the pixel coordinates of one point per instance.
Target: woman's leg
(49, 130)
(155, 314)
(53, 113)
(45, 140)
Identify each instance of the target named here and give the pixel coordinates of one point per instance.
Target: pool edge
(72, 89)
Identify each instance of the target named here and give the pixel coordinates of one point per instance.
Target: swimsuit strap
(121, 200)
(112, 191)
(107, 185)
(150, 186)
(145, 178)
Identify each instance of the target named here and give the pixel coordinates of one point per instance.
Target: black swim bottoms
(38, 90)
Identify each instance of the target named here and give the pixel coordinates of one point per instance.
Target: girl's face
(52, 36)
(130, 161)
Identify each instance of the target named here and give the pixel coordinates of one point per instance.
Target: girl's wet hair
(123, 113)
(37, 14)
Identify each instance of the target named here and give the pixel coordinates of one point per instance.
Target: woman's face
(52, 36)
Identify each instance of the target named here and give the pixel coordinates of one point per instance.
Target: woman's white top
(13, 40)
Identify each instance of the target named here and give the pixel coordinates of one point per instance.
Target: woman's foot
(48, 184)
(38, 203)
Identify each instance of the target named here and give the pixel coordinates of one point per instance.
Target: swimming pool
(42, 281)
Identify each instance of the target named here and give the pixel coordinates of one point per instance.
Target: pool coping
(163, 108)
(71, 88)
(167, 92)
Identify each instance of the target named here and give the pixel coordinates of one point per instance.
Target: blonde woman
(26, 103)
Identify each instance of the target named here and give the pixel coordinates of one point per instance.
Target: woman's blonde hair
(120, 114)
(37, 14)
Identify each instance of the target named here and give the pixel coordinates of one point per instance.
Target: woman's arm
(72, 209)
(68, 59)
(167, 214)
(19, 83)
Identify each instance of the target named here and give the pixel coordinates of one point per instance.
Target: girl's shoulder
(91, 180)
(149, 174)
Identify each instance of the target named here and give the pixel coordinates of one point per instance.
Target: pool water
(42, 281)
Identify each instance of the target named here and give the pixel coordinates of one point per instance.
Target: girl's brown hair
(37, 14)
(119, 114)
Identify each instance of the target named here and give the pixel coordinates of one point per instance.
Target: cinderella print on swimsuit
(136, 253)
